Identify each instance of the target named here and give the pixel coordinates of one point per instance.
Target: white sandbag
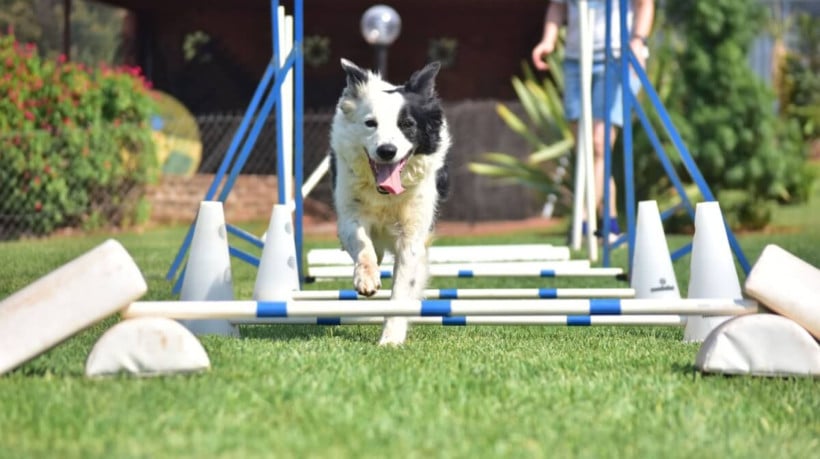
(148, 346)
(761, 345)
(787, 285)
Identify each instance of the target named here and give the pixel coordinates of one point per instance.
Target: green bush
(726, 114)
(76, 143)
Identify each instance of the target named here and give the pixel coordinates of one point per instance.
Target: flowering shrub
(75, 143)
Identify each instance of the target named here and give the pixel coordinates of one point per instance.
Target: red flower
(62, 58)
(29, 116)
(38, 206)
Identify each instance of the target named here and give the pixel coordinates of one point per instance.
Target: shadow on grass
(279, 332)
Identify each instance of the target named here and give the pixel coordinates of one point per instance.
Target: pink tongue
(388, 177)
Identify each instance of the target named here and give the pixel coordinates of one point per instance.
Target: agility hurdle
(425, 308)
(664, 320)
(513, 269)
(474, 293)
(455, 253)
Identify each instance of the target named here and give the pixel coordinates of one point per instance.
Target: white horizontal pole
(425, 308)
(573, 268)
(474, 293)
(458, 253)
(665, 320)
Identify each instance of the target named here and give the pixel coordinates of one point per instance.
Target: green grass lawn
(309, 391)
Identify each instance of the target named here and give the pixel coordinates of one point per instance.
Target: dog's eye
(371, 123)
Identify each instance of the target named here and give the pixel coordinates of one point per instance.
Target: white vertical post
(286, 99)
(585, 146)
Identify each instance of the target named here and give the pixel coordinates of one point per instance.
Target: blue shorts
(572, 91)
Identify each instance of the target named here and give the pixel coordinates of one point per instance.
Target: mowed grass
(310, 391)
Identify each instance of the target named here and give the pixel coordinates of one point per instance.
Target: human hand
(541, 50)
(640, 50)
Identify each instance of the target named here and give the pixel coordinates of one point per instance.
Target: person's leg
(598, 139)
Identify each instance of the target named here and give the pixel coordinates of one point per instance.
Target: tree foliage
(726, 115)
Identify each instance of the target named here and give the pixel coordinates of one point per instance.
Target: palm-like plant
(546, 131)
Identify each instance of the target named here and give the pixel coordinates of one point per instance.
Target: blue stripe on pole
(547, 273)
(328, 321)
(386, 274)
(448, 294)
(458, 321)
(348, 295)
(605, 306)
(578, 321)
(271, 309)
(435, 308)
(548, 293)
(465, 273)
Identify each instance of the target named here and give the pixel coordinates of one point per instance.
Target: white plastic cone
(277, 276)
(208, 270)
(652, 273)
(712, 269)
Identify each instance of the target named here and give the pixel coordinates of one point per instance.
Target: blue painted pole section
(272, 98)
(465, 273)
(688, 162)
(435, 308)
(579, 321)
(386, 274)
(681, 252)
(272, 309)
(664, 159)
(548, 293)
(458, 321)
(245, 236)
(298, 132)
(608, 92)
(547, 273)
(605, 306)
(246, 257)
(448, 294)
(628, 100)
(348, 295)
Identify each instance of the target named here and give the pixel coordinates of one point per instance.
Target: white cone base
(760, 345)
(652, 273)
(150, 346)
(788, 285)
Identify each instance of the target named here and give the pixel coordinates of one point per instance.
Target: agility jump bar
(474, 293)
(458, 253)
(574, 268)
(665, 320)
(428, 308)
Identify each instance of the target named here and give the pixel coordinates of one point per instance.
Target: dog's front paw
(367, 279)
(394, 332)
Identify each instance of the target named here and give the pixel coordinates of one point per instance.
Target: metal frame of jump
(268, 95)
(628, 62)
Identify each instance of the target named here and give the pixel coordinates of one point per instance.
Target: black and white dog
(388, 158)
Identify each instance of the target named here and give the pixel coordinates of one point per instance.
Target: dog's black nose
(387, 151)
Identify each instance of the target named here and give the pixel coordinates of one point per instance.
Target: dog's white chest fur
(389, 145)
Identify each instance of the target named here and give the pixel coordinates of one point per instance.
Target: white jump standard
(427, 308)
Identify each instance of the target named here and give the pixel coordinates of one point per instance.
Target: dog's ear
(422, 82)
(355, 75)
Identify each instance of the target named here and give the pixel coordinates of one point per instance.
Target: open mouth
(388, 175)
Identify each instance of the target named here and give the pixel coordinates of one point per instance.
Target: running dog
(388, 154)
